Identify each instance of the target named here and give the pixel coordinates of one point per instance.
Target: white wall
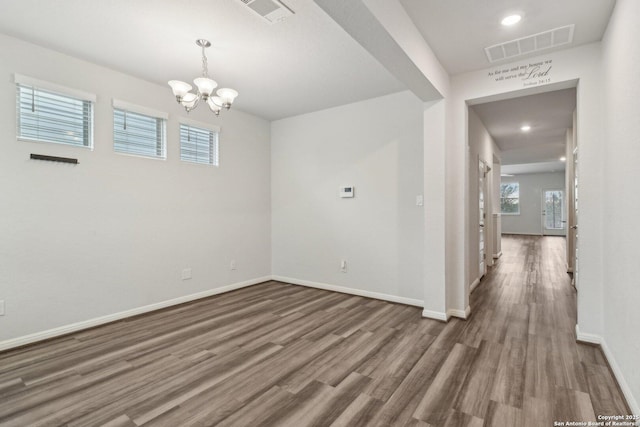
(529, 221)
(435, 216)
(481, 147)
(376, 146)
(114, 232)
(620, 203)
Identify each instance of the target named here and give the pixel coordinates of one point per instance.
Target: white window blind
(48, 116)
(138, 134)
(198, 144)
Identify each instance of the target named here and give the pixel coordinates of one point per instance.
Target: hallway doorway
(531, 136)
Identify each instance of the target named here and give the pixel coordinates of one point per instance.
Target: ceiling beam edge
(361, 24)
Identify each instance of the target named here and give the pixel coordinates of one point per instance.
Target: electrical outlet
(343, 266)
(232, 264)
(2, 307)
(186, 274)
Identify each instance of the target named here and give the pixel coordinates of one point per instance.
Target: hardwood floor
(283, 355)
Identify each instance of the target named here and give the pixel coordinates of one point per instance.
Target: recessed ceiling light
(563, 159)
(525, 128)
(510, 20)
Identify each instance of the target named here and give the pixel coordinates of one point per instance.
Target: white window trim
(123, 105)
(23, 80)
(53, 87)
(139, 109)
(197, 124)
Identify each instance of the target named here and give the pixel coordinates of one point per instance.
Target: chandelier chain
(205, 65)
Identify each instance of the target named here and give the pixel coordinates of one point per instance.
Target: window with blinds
(53, 117)
(138, 134)
(198, 145)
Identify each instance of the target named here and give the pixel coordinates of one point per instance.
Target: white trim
(474, 285)
(461, 314)
(498, 255)
(53, 87)
(123, 105)
(197, 124)
(617, 373)
(588, 338)
(68, 144)
(351, 291)
(74, 327)
(141, 156)
(520, 234)
(437, 315)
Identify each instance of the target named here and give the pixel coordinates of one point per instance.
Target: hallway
(526, 307)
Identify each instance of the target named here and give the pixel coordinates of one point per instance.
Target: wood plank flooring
(282, 355)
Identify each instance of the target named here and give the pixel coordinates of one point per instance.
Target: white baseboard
(351, 291)
(462, 314)
(498, 255)
(474, 285)
(85, 324)
(437, 315)
(626, 390)
(588, 338)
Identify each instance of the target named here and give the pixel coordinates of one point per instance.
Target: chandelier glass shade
(205, 86)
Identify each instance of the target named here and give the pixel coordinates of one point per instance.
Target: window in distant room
(510, 198)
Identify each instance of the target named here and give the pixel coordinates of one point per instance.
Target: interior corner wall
(620, 204)
(434, 215)
(481, 147)
(529, 220)
(379, 232)
(113, 233)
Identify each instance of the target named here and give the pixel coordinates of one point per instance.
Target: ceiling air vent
(271, 10)
(530, 44)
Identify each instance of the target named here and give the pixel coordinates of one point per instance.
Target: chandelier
(205, 85)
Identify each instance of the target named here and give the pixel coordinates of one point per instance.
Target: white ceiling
(303, 64)
(549, 114)
(306, 63)
(530, 168)
(459, 30)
